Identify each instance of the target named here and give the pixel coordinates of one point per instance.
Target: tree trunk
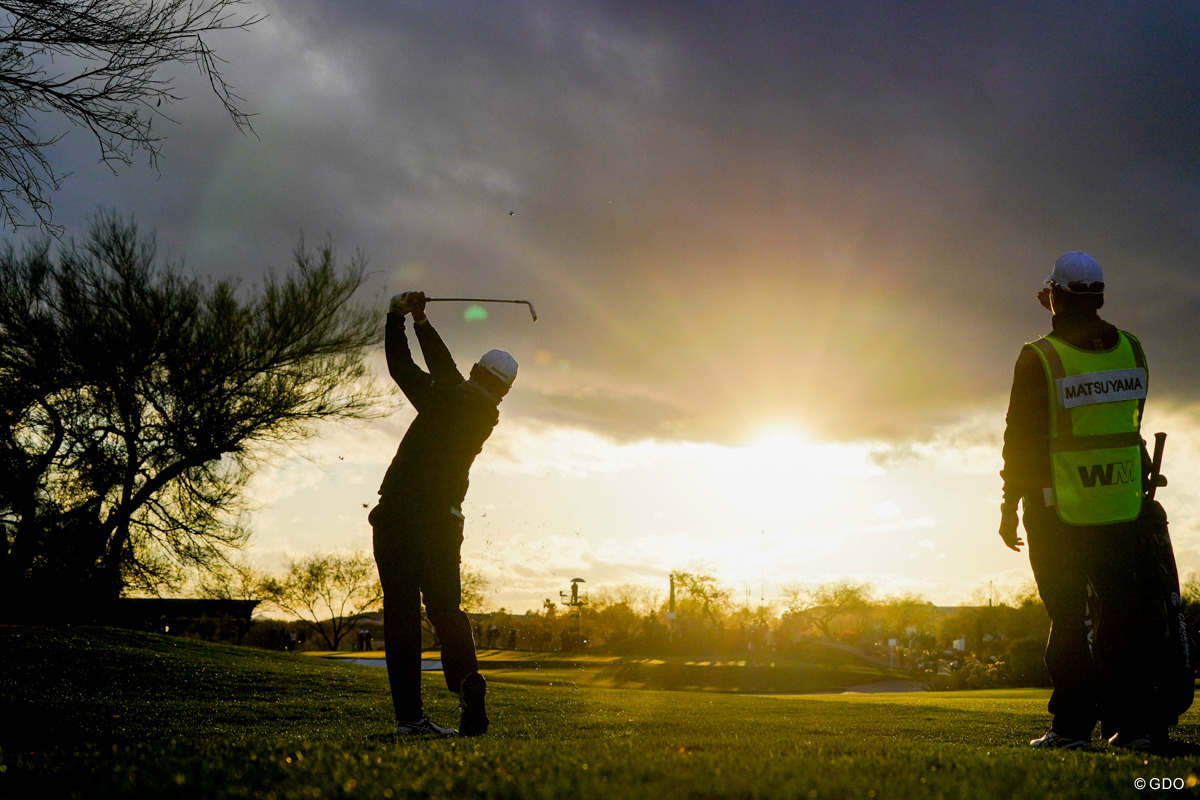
(14, 578)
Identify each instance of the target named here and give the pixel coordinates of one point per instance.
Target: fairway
(105, 713)
(820, 669)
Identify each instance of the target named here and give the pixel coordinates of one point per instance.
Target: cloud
(723, 216)
(820, 213)
(537, 449)
(619, 416)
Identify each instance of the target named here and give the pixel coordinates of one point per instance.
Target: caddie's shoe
(1139, 744)
(1057, 741)
(474, 719)
(423, 727)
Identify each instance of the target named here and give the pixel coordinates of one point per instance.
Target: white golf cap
(501, 364)
(1078, 273)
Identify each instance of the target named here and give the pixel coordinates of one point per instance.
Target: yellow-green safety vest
(1096, 401)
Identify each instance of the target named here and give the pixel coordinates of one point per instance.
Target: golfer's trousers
(417, 554)
(1116, 688)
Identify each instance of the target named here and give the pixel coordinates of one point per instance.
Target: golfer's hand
(417, 305)
(1044, 298)
(408, 303)
(1008, 530)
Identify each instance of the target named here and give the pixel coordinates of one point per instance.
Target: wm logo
(1106, 474)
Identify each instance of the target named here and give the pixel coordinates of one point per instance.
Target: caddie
(1075, 461)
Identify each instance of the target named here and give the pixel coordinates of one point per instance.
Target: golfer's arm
(437, 355)
(412, 380)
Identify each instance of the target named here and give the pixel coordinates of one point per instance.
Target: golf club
(1156, 476)
(532, 313)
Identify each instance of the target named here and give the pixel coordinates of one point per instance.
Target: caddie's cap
(1078, 273)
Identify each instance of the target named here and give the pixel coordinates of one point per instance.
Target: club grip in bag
(1160, 442)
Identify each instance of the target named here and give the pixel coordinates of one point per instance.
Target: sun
(781, 466)
(781, 437)
(770, 465)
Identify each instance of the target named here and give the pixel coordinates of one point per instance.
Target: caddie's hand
(1008, 529)
(1044, 298)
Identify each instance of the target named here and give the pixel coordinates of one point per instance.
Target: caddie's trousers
(1065, 559)
(417, 554)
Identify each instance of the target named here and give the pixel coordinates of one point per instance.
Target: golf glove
(407, 303)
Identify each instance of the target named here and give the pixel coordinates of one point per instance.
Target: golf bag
(1169, 648)
(1172, 650)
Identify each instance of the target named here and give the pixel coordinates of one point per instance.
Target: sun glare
(782, 467)
(779, 436)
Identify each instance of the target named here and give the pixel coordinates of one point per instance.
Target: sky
(783, 254)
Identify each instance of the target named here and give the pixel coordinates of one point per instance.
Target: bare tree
(640, 599)
(705, 591)
(234, 579)
(327, 592)
(824, 603)
(135, 403)
(96, 63)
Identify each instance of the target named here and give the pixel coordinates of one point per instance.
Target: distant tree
(903, 612)
(96, 62)
(822, 604)
(1029, 618)
(997, 616)
(1004, 630)
(640, 599)
(1025, 638)
(235, 579)
(705, 591)
(474, 587)
(753, 616)
(232, 580)
(1189, 590)
(474, 590)
(612, 620)
(328, 592)
(135, 402)
(1190, 587)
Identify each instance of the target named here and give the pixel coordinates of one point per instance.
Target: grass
(820, 669)
(104, 713)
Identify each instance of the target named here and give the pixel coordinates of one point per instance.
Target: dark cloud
(838, 213)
